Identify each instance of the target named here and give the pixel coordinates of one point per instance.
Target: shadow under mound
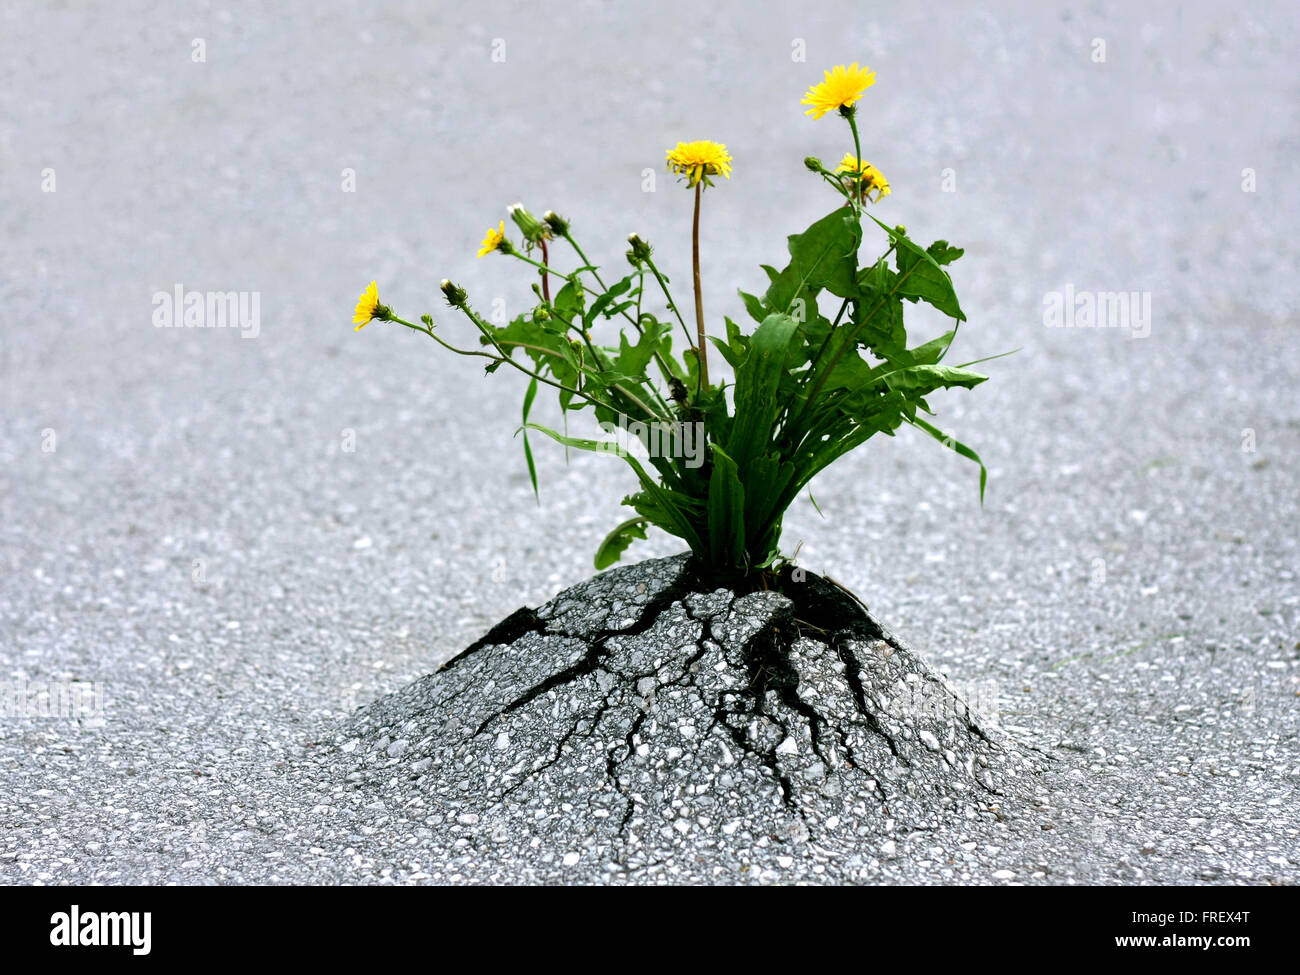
(639, 722)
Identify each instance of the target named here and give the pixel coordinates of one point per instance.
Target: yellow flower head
(368, 307)
(840, 89)
(492, 239)
(697, 161)
(868, 175)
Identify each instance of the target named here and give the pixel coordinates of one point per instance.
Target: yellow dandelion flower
(367, 307)
(697, 161)
(840, 89)
(492, 239)
(870, 178)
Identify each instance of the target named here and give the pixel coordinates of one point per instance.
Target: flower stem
(857, 154)
(546, 278)
(583, 257)
(701, 348)
(488, 355)
(602, 362)
(545, 269)
(636, 322)
(663, 286)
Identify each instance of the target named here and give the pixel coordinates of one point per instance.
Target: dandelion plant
(825, 366)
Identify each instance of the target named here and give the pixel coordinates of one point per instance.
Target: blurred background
(299, 521)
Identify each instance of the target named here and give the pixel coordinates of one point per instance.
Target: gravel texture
(245, 540)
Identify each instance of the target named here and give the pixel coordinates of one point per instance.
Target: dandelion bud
(813, 164)
(455, 296)
(559, 226)
(532, 228)
(640, 249)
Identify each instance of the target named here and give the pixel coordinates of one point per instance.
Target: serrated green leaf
(634, 360)
(920, 277)
(823, 257)
(618, 540)
(943, 252)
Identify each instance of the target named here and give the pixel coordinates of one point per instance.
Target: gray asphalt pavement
(240, 538)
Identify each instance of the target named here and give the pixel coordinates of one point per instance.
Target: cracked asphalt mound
(637, 726)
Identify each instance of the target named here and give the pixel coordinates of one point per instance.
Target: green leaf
(720, 344)
(735, 347)
(851, 372)
(569, 300)
(618, 540)
(815, 505)
(925, 379)
(667, 505)
(757, 380)
(737, 339)
(753, 306)
(749, 441)
(921, 277)
(618, 309)
(943, 252)
(529, 396)
(726, 513)
(953, 444)
(690, 507)
(766, 479)
(931, 352)
(823, 256)
(633, 360)
(602, 301)
(883, 331)
(573, 355)
(523, 330)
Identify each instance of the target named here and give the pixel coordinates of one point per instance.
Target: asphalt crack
(769, 668)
